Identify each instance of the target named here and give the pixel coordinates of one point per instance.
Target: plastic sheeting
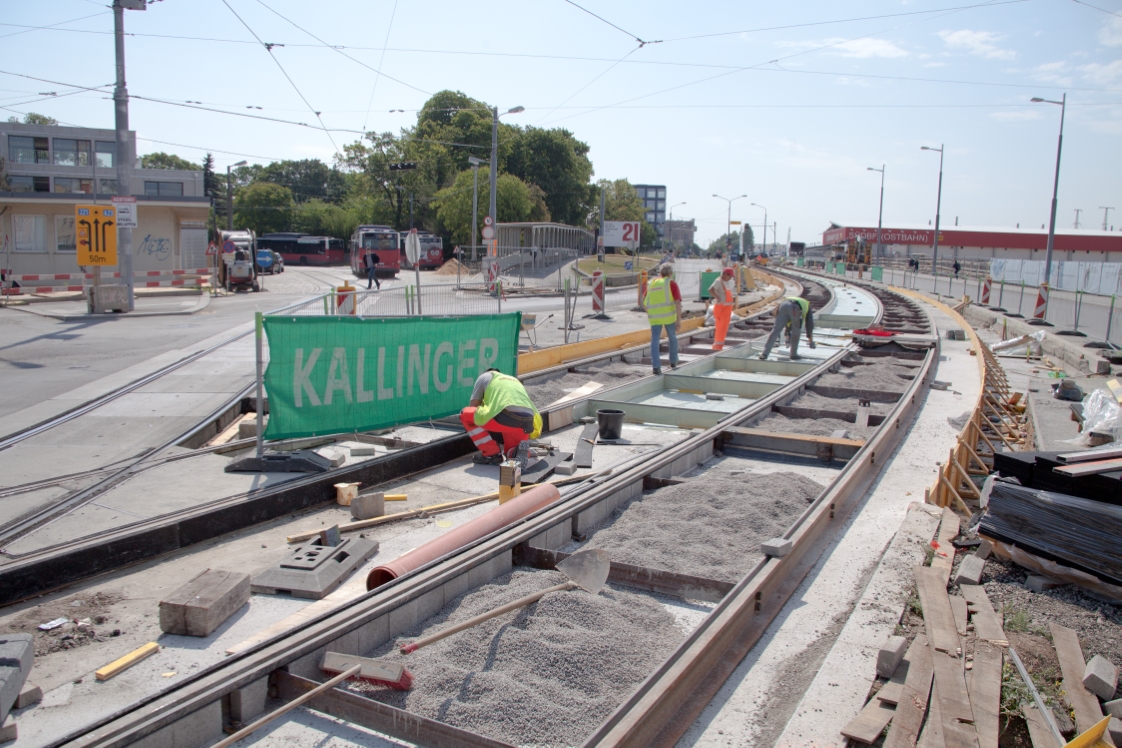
(1072, 530)
(1090, 277)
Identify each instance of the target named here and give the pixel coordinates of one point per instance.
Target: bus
(432, 251)
(301, 249)
(383, 243)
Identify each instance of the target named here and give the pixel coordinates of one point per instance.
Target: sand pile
(840, 404)
(709, 528)
(814, 426)
(451, 267)
(886, 377)
(546, 675)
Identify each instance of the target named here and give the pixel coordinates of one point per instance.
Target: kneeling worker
(499, 413)
(793, 312)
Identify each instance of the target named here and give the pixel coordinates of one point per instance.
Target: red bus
(432, 251)
(301, 249)
(383, 243)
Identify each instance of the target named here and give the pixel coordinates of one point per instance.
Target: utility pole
(600, 243)
(475, 162)
(494, 209)
(1106, 213)
(1055, 185)
(1077, 212)
(880, 213)
(938, 205)
(230, 195)
(124, 152)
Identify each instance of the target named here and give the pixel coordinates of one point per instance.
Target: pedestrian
(500, 417)
(663, 304)
(795, 313)
(956, 267)
(370, 263)
(723, 293)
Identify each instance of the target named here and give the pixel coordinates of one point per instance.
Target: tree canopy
(264, 208)
(160, 160)
(34, 118)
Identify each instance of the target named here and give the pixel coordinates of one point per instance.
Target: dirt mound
(452, 267)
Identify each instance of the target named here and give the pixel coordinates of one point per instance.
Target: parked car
(269, 262)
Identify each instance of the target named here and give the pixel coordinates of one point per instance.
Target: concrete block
(554, 537)
(566, 468)
(17, 655)
(202, 727)
(203, 604)
(368, 505)
(314, 571)
(1113, 708)
(247, 429)
(970, 571)
(1037, 583)
(368, 451)
(1102, 366)
(778, 547)
(984, 549)
(1114, 728)
(31, 694)
(1101, 677)
(249, 701)
(890, 656)
(8, 730)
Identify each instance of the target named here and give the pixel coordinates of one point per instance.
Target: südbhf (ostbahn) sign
(96, 226)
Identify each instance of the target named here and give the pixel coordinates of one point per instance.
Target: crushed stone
(842, 404)
(816, 426)
(545, 675)
(886, 377)
(544, 391)
(710, 527)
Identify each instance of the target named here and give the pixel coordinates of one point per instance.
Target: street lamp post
(880, 213)
(728, 222)
(938, 205)
(494, 209)
(1062, 103)
(764, 240)
(671, 225)
(230, 195)
(475, 163)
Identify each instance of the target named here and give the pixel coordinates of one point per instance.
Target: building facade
(654, 205)
(680, 234)
(49, 169)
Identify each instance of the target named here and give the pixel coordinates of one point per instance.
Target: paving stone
(368, 506)
(1114, 728)
(30, 694)
(1101, 677)
(778, 547)
(8, 730)
(890, 656)
(970, 571)
(1113, 708)
(1037, 583)
(985, 548)
(17, 655)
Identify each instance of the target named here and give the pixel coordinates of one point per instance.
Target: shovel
(587, 570)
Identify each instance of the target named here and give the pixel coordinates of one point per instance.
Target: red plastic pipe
(496, 519)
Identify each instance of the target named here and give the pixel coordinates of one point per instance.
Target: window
(24, 183)
(106, 153)
(26, 150)
(65, 238)
(68, 184)
(662, 192)
(163, 189)
(650, 218)
(107, 186)
(661, 205)
(31, 233)
(72, 152)
(642, 193)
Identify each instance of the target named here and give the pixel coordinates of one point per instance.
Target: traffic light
(403, 166)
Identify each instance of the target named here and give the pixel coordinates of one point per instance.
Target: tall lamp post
(671, 224)
(475, 164)
(1062, 103)
(230, 195)
(938, 204)
(880, 213)
(763, 242)
(728, 222)
(494, 207)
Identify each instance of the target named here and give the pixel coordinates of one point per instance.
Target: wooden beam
(1089, 468)
(987, 624)
(1072, 664)
(985, 693)
(913, 700)
(870, 722)
(937, 610)
(124, 663)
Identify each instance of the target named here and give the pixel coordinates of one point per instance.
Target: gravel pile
(814, 426)
(545, 391)
(546, 675)
(886, 377)
(710, 527)
(841, 404)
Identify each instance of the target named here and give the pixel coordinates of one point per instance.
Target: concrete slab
(693, 402)
(748, 376)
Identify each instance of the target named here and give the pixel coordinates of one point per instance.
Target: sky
(786, 103)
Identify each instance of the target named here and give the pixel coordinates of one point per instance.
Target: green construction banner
(332, 375)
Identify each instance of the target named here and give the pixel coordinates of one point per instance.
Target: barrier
(1040, 313)
(598, 292)
(141, 279)
(985, 297)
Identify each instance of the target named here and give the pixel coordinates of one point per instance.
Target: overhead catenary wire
(1102, 10)
(50, 27)
(381, 63)
(636, 37)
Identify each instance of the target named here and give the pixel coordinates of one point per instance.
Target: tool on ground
(379, 672)
(250, 728)
(1045, 712)
(586, 569)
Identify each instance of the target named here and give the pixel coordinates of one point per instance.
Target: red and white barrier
(1041, 302)
(191, 277)
(493, 274)
(985, 300)
(598, 292)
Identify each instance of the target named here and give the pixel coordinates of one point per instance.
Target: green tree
(32, 118)
(160, 160)
(558, 163)
(516, 202)
(263, 207)
(733, 240)
(370, 163)
(309, 179)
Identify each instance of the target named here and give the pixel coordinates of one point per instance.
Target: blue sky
(785, 102)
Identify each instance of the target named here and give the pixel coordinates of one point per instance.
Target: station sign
(621, 234)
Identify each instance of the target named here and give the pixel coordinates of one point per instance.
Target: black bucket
(611, 423)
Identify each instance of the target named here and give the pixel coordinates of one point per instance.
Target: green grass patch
(615, 264)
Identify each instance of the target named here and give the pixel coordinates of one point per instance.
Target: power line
(381, 61)
(586, 85)
(269, 49)
(1104, 10)
(51, 27)
(636, 37)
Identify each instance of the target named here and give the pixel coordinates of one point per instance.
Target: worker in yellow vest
(663, 303)
(723, 293)
(499, 413)
(794, 312)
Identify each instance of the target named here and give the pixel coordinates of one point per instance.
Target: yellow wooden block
(127, 661)
(396, 497)
(506, 493)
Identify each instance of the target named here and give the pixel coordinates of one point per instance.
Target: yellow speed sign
(97, 234)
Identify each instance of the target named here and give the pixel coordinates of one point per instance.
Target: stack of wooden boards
(1092, 474)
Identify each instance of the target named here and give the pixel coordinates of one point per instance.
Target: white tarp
(1090, 277)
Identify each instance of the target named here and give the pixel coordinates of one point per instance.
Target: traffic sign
(413, 246)
(126, 211)
(97, 234)
(734, 223)
(210, 250)
(621, 234)
(488, 232)
(228, 247)
(487, 220)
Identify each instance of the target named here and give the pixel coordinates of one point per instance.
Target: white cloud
(1103, 74)
(1058, 73)
(1110, 35)
(859, 48)
(978, 43)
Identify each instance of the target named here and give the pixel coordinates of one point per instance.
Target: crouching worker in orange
(500, 417)
(723, 293)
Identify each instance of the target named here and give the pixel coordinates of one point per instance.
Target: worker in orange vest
(723, 293)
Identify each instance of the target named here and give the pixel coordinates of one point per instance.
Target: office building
(680, 234)
(654, 205)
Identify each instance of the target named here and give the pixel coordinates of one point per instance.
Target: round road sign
(488, 232)
(487, 220)
(228, 246)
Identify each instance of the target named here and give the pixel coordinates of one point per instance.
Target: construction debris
(124, 663)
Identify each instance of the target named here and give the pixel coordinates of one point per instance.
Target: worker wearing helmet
(500, 416)
(663, 302)
(723, 293)
(794, 312)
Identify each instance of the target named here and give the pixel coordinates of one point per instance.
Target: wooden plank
(985, 693)
(1091, 454)
(943, 560)
(890, 692)
(585, 441)
(958, 608)
(1072, 664)
(987, 624)
(1088, 468)
(583, 391)
(540, 469)
(913, 701)
(932, 735)
(870, 722)
(124, 663)
(937, 613)
(803, 444)
(955, 714)
(831, 440)
(1039, 733)
(204, 603)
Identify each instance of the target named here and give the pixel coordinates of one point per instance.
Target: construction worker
(663, 303)
(794, 311)
(499, 413)
(723, 293)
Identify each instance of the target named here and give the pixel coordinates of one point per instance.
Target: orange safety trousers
(722, 314)
(482, 436)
